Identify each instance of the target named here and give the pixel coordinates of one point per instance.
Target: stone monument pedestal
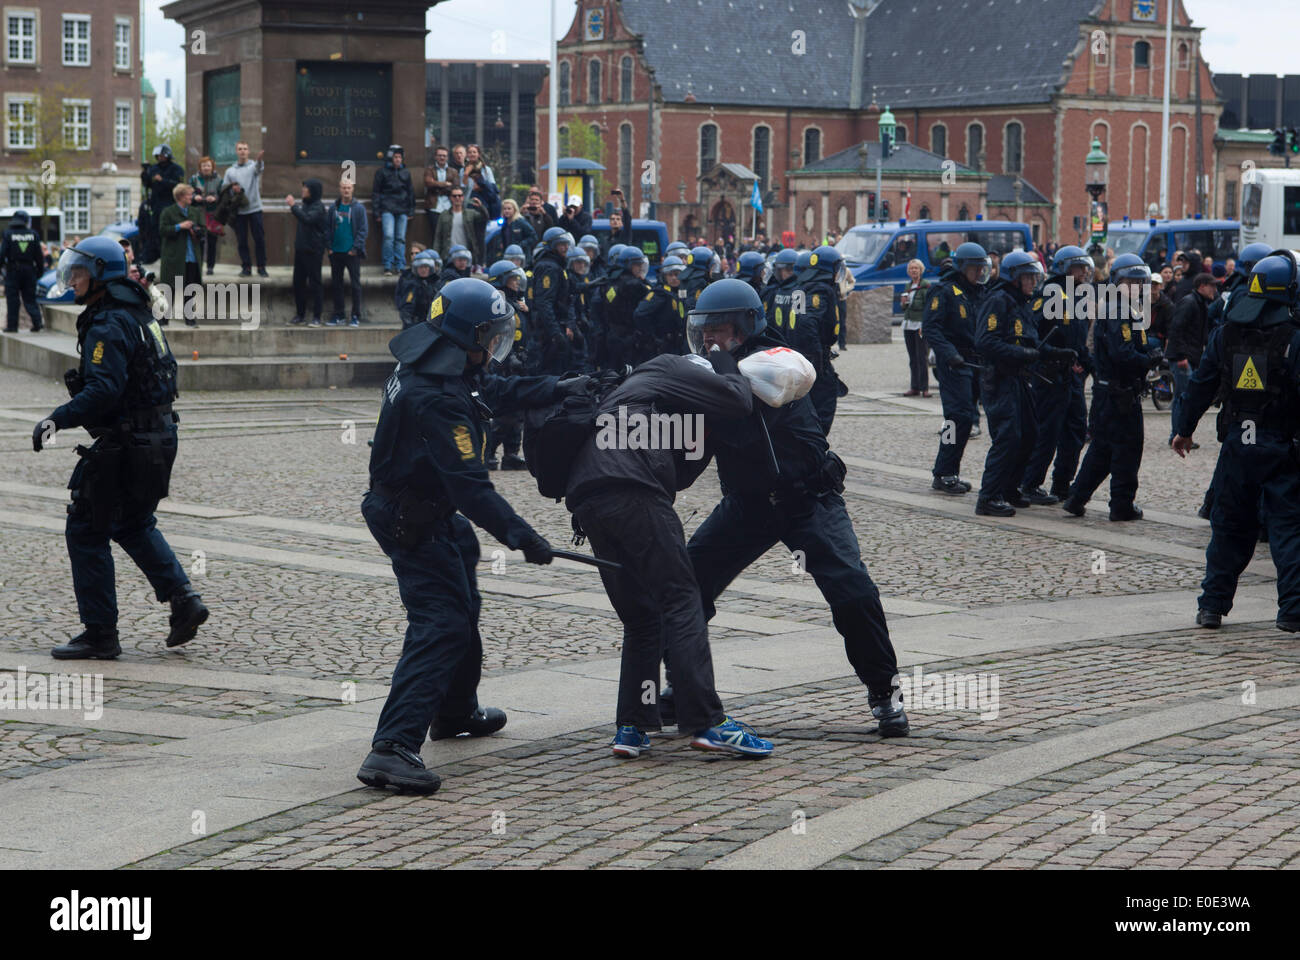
(870, 316)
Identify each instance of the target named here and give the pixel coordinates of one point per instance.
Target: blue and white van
(1156, 240)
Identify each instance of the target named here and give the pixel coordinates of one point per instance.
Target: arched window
(924, 212)
(1141, 54)
(564, 140)
(708, 147)
(1100, 52)
(625, 159)
(1013, 148)
(812, 145)
(974, 145)
(809, 218)
(842, 217)
(762, 151)
(900, 133)
(963, 213)
(593, 80)
(939, 139)
(625, 80)
(564, 83)
(1184, 56)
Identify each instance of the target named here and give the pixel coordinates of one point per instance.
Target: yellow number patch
(993, 321)
(1126, 332)
(1020, 329)
(98, 355)
(546, 282)
(934, 304)
(812, 261)
(464, 444)
(817, 300)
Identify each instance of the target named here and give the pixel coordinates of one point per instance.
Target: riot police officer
(122, 394)
(781, 483)
(818, 328)
(416, 288)
(458, 265)
(677, 249)
(1061, 410)
(626, 342)
(1006, 338)
(949, 327)
(579, 267)
(22, 262)
(427, 483)
(702, 268)
(507, 429)
(661, 316)
(1236, 285)
(597, 304)
(552, 332)
(1252, 361)
(778, 295)
(589, 245)
(515, 254)
(1122, 358)
(750, 269)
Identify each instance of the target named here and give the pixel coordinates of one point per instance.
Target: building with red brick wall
(1018, 88)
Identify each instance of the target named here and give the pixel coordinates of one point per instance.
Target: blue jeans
(393, 253)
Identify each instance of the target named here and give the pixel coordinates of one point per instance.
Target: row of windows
(74, 202)
(21, 123)
(595, 71)
(21, 42)
(1142, 55)
(1013, 145)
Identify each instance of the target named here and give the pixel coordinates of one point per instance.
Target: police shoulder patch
(435, 309)
(993, 321)
(934, 303)
(410, 296)
(98, 355)
(609, 294)
(956, 290)
(1038, 304)
(816, 300)
(650, 295)
(546, 282)
(460, 434)
(961, 308)
(1126, 331)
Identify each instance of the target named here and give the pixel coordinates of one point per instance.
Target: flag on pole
(907, 205)
(756, 200)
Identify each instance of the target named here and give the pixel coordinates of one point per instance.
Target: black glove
(1029, 354)
(571, 387)
(1061, 354)
(38, 434)
(537, 550)
(722, 360)
(955, 360)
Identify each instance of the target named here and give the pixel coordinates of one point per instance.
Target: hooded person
(309, 246)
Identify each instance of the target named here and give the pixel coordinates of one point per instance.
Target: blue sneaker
(629, 742)
(734, 736)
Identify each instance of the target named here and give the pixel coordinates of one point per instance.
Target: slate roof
(905, 157)
(919, 53)
(1002, 190)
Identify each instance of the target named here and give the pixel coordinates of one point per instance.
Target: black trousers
(245, 222)
(20, 284)
(740, 530)
(1009, 405)
(306, 281)
(351, 263)
(918, 355)
(210, 241)
(1115, 423)
(656, 597)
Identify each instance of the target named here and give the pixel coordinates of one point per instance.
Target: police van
(1270, 209)
(877, 254)
(1156, 240)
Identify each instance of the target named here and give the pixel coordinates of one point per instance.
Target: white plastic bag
(778, 375)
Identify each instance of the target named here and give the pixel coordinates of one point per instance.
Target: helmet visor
(497, 336)
(697, 323)
(984, 266)
(844, 281)
(69, 262)
(1085, 262)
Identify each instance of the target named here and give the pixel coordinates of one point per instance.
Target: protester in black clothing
(309, 246)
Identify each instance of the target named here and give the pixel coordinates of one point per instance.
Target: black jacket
(674, 394)
(160, 191)
(392, 191)
(313, 221)
(1184, 285)
(21, 247)
(1189, 329)
(949, 323)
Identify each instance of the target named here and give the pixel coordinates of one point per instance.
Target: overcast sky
(1257, 36)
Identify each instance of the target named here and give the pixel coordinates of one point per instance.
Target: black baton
(583, 558)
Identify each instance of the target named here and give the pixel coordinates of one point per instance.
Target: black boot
(1016, 499)
(480, 723)
(949, 485)
(1073, 507)
(1209, 619)
(95, 643)
(994, 508)
(392, 765)
(512, 461)
(1126, 511)
(188, 613)
(1059, 492)
(889, 713)
(667, 707)
(1040, 497)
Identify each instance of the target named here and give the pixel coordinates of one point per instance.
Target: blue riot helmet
(1128, 267)
(102, 257)
(1069, 257)
(499, 271)
(461, 253)
(671, 266)
(801, 260)
(611, 257)
(428, 259)
(579, 263)
(633, 261)
(474, 315)
(1018, 264)
(590, 246)
(824, 263)
(970, 254)
(23, 217)
(750, 264)
(514, 253)
(705, 260)
(539, 248)
(1250, 255)
(1273, 278)
(728, 301)
(783, 263)
(677, 249)
(558, 239)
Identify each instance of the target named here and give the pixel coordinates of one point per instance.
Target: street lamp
(1097, 165)
(887, 130)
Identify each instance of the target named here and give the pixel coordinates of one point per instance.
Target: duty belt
(147, 418)
(434, 513)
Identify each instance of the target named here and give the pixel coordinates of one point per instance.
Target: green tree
(54, 159)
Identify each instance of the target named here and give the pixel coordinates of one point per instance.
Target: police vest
(1253, 375)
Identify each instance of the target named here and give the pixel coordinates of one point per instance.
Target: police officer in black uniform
(426, 470)
(459, 260)
(702, 268)
(122, 394)
(1006, 338)
(598, 298)
(552, 332)
(661, 315)
(1252, 362)
(507, 429)
(416, 288)
(817, 328)
(1122, 358)
(781, 483)
(1061, 410)
(949, 327)
(578, 264)
(22, 262)
(626, 342)
(777, 295)
(749, 267)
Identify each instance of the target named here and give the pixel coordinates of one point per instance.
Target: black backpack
(554, 435)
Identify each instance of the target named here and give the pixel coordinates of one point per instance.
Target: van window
(1291, 210)
(1130, 241)
(1201, 240)
(644, 237)
(900, 252)
(1250, 201)
(941, 244)
(863, 246)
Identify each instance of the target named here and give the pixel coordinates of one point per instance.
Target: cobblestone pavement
(265, 514)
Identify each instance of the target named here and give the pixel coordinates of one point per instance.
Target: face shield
(673, 274)
(70, 262)
(983, 267)
(703, 329)
(460, 261)
(579, 266)
(496, 336)
(1034, 271)
(765, 273)
(517, 261)
(591, 249)
(844, 281)
(1085, 263)
(638, 268)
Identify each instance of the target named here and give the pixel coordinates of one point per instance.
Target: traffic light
(1278, 146)
(884, 206)
(886, 145)
(1293, 140)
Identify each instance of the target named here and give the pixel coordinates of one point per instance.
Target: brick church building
(718, 93)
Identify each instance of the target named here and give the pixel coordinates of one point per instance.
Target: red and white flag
(907, 205)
